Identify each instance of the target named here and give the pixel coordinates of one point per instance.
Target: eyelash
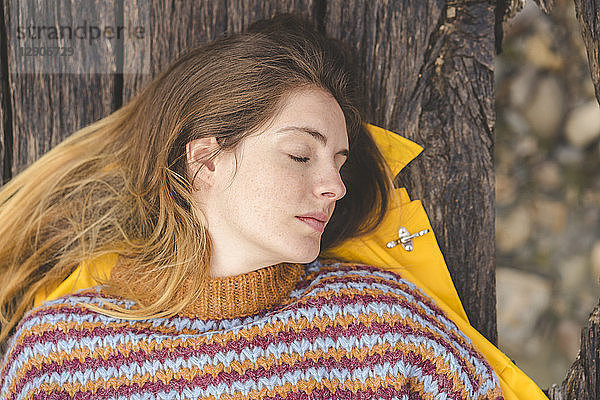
(299, 159)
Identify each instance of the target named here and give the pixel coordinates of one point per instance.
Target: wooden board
(184, 25)
(5, 122)
(588, 14)
(47, 107)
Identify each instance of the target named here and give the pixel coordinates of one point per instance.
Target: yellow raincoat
(424, 265)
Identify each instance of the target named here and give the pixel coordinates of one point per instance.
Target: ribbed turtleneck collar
(238, 295)
(248, 293)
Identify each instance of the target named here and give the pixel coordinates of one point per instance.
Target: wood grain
(5, 122)
(241, 13)
(588, 14)
(179, 26)
(173, 27)
(47, 107)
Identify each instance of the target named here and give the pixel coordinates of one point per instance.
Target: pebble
(526, 146)
(538, 52)
(520, 87)
(568, 338)
(586, 301)
(522, 298)
(513, 230)
(573, 272)
(505, 189)
(568, 155)
(545, 110)
(550, 215)
(548, 175)
(517, 123)
(583, 124)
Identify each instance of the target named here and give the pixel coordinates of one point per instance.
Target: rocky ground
(547, 161)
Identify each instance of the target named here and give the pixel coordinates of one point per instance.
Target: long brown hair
(120, 184)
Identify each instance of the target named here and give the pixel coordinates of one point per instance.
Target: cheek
(273, 193)
(276, 186)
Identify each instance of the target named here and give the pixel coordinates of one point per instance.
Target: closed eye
(299, 159)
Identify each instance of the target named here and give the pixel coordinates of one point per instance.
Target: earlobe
(199, 157)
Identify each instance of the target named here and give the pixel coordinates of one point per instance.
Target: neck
(234, 266)
(229, 261)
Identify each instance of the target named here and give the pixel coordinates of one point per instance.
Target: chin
(306, 256)
(308, 259)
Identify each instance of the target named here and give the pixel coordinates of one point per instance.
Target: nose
(332, 186)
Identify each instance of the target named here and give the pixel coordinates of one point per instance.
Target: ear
(199, 166)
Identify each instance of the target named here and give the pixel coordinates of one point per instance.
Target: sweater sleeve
(23, 360)
(47, 347)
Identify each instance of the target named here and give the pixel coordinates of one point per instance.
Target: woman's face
(273, 205)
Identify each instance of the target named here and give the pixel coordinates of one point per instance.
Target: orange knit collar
(248, 293)
(227, 297)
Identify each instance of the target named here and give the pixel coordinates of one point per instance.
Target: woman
(207, 199)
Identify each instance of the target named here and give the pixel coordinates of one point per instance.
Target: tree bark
(5, 121)
(588, 14)
(583, 378)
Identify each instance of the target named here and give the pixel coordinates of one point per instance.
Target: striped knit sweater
(344, 331)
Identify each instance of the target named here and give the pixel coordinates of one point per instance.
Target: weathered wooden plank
(390, 45)
(46, 106)
(173, 28)
(428, 74)
(5, 128)
(180, 26)
(241, 13)
(588, 14)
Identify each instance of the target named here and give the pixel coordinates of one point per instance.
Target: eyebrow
(312, 132)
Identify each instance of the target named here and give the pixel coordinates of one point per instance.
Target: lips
(317, 220)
